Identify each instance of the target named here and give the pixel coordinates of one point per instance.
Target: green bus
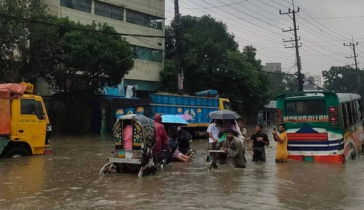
(322, 126)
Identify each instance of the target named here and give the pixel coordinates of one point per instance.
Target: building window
(147, 54)
(109, 10)
(143, 19)
(81, 5)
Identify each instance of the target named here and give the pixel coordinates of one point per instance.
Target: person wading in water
(282, 141)
(234, 147)
(260, 140)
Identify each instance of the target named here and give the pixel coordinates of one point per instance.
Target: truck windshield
(227, 105)
(31, 107)
(307, 107)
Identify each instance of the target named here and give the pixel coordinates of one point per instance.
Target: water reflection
(22, 177)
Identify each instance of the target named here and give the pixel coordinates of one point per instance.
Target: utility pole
(353, 44)
(178, 33)
(295, 45)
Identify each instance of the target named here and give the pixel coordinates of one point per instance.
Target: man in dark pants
(260, 140)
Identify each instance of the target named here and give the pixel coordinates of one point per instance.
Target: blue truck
(198, 106)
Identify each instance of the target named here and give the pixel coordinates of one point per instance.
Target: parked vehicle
(322, 126)
(198, 107)
(24, 124)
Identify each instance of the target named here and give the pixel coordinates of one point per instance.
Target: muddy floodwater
(69, 179)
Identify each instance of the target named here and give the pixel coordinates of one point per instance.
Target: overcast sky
(324, 25)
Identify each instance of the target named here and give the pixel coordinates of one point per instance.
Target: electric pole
(353, 44)
(295, 45)
(178, 33)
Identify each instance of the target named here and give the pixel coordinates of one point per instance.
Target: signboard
(306, 119)
(113, 91)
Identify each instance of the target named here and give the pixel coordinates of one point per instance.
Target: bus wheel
(16, 152)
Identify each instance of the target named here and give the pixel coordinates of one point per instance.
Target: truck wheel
(16, 152)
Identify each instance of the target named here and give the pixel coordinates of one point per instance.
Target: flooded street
(69, 179)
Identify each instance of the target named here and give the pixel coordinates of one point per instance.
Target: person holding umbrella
(216, 131)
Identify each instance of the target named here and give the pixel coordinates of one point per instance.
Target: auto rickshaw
(138, 157)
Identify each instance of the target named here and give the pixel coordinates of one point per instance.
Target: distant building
(315, 79)
(273, 67)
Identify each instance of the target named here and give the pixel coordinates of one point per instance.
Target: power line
(225, 5)
(279, 17)
(319, 29)
(264, 28)
(76, 28)
(279, 4)
(238, 27)
(257, 12)
(334, 17)
(241, 11)
(304, 11)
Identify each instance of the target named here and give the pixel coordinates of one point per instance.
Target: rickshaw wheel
(107, 168)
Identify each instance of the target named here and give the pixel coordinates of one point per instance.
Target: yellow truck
(24, 125)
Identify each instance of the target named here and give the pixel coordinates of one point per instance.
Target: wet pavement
(69, 179)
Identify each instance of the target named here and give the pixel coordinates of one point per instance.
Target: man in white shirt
(213, 131)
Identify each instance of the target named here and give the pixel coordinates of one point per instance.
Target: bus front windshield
(307, 107)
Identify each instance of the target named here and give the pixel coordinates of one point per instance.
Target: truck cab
(25, 127)
(224, 104)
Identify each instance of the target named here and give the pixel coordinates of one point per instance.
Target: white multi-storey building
(316, 79)
(273, 67)
(130, 17)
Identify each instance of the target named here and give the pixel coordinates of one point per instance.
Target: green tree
(14, 37)
(212, 61)
(276, 84)
(344, 79)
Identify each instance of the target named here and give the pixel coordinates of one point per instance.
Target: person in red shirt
(161, 139)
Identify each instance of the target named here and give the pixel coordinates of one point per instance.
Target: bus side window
(360, 109)
(345, 116)
(356, 111)
(349, 114)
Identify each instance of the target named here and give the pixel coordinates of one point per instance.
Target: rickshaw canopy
(143, 130)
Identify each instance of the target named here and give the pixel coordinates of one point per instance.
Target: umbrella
(187, 117)
(173, 119)
(224, 115)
